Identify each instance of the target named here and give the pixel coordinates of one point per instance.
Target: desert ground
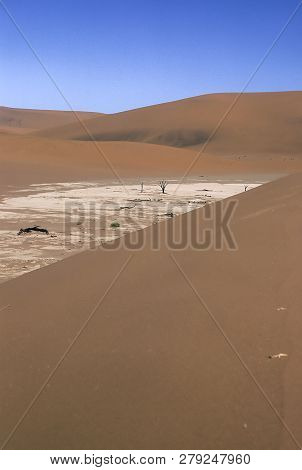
(83, 215)
(166, 348)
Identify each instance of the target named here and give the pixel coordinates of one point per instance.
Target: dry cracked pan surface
(80, 214)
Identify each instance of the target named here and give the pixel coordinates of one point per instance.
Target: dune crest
(22, 121)
(259, 123)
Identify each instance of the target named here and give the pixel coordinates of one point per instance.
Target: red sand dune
(28, 159)
(152, 369)
(14, 120)
(259, 124)
(262, 133)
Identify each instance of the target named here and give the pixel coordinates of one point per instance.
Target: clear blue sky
(113, 55)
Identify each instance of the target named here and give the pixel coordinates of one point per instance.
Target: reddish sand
(261, 134)
(14, 120)
(27, 159)
(258, 124)
(153, 369)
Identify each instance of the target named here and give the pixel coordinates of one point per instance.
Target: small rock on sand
(278, 356)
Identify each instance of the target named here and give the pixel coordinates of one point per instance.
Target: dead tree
(36, 228)
(163, 185)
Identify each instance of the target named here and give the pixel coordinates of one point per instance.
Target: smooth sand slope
(262, 134)
(259, 124)
(21, 121)
(28, 159)
(152, 369)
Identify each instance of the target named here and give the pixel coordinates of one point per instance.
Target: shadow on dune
(174, 137)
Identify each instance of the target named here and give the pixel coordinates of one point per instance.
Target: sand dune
(14, 120)
(29, 159)
(259, 124)
(152, 369)
(261, 134)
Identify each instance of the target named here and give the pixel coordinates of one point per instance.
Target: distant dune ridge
(262, 133)
(27, 120)
(259, 123)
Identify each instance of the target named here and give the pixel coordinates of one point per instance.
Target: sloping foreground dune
(152, 368)
(259, 123)
(14, 120)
